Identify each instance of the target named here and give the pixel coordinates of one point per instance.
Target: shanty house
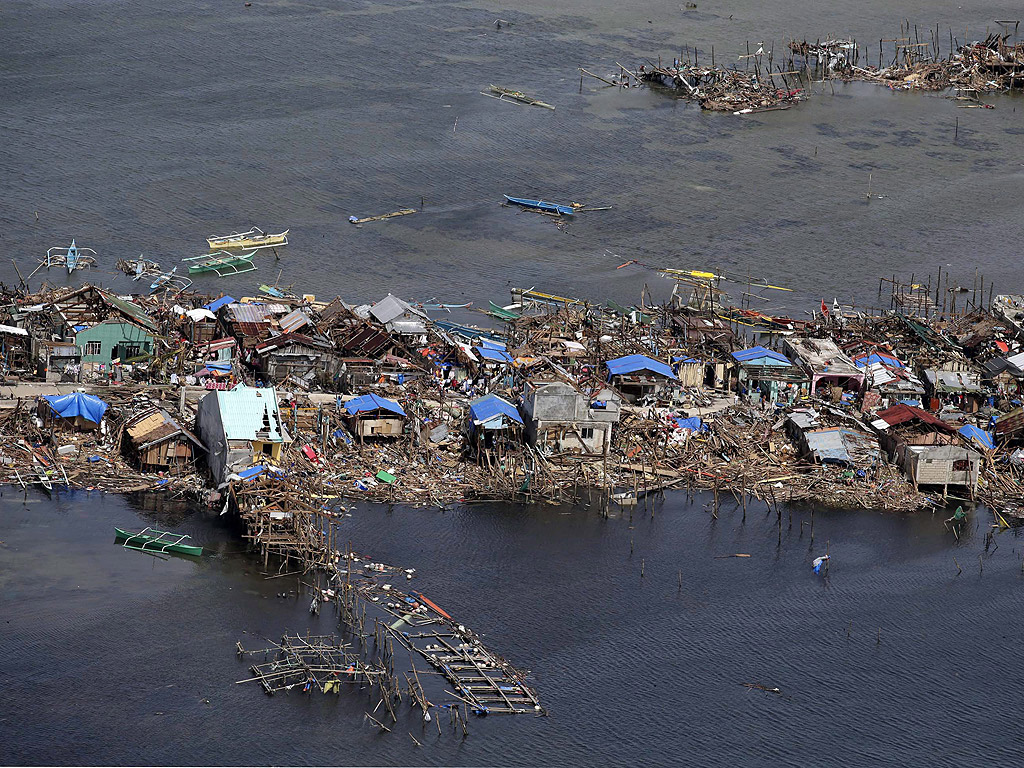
(375, 416)
(57, 360)
(105, 326)
(401, 318)
(888, 378)
(303, 358)
(1005, 374)
(240, 427)
(762, 373)
(562, 418)
(74, 411)
(248, 323)
(926, 448)
(492, 421)
(158, 442)
(838, 445)
(828, 365)
(636, 376)
(960, 389)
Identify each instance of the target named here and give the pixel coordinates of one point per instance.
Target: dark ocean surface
(146, 127)
(114, 656)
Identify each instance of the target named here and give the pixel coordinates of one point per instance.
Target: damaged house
(563, 419)
(240, 427)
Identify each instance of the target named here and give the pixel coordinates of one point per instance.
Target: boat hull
(152, 542)
(542, 205)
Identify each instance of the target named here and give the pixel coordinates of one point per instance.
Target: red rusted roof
(902, 413)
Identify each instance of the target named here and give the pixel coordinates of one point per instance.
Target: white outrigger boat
(251, 240)
(71, 257)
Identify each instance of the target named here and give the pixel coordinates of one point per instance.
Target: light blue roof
(486, 408)
(77, 404)
(497, 355)
(633, 363)
(762, 354)
(365, 403)
(244, 411)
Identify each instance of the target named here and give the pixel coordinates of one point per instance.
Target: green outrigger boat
(151, 540)
(222, 263)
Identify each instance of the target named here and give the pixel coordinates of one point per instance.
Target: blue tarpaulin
(693, 423)
(621, 366)
(496, 355)
(77, 404)
(490, 406)
(978, 435)
(365, 403)
(216, 304)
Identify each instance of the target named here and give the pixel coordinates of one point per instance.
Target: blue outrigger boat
(541, 205)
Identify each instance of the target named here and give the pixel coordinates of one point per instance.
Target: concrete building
(562, 418)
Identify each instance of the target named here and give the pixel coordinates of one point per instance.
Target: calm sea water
(113, 656)
(147, 127)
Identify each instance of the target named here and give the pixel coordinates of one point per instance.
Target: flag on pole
(818, 562)
(824, 309)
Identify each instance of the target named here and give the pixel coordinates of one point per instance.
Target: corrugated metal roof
(244, 411)
(392, 307)
(294, 320)
(902, 413)
(247, 313)
(770, 357)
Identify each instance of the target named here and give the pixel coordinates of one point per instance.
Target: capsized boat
(541, 205)
(152, 540)
(497, 92)
(221, 262)
(254, 238)
(170, 281)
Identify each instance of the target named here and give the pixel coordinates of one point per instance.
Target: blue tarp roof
(219, 366)
(755, 353)
(216, 304)
(253, 472)
(492, 343)
(634, 363)
(877, 357)
(77, 404)
(685, 360)
(979, 435)
(487, 407)
(497, 355)
(365, 403)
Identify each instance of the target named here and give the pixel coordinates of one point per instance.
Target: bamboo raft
(518, 97)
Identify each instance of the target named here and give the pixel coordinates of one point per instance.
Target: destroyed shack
(888, 378)
(563, 419)
(249, 324)
(105, 327)
(200, 325)
(639, 376)
(838, 445)
(158, 443)
(375, 416)
(828, 366)
(493, 425)
(14, 351)
(1005, 375)
(240, 427)
(401, 319)
(926, 448)
(57, 361)
(763, 375)
(960, 390)
(76, 411)
(297, 356)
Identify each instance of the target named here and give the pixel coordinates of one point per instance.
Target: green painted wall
(111, 337)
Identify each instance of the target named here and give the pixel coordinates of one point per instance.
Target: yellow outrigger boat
(254, 238)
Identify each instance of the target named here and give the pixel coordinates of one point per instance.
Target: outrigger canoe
(254, 238)
(222, 262)
(151, 540)
(541, 205)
